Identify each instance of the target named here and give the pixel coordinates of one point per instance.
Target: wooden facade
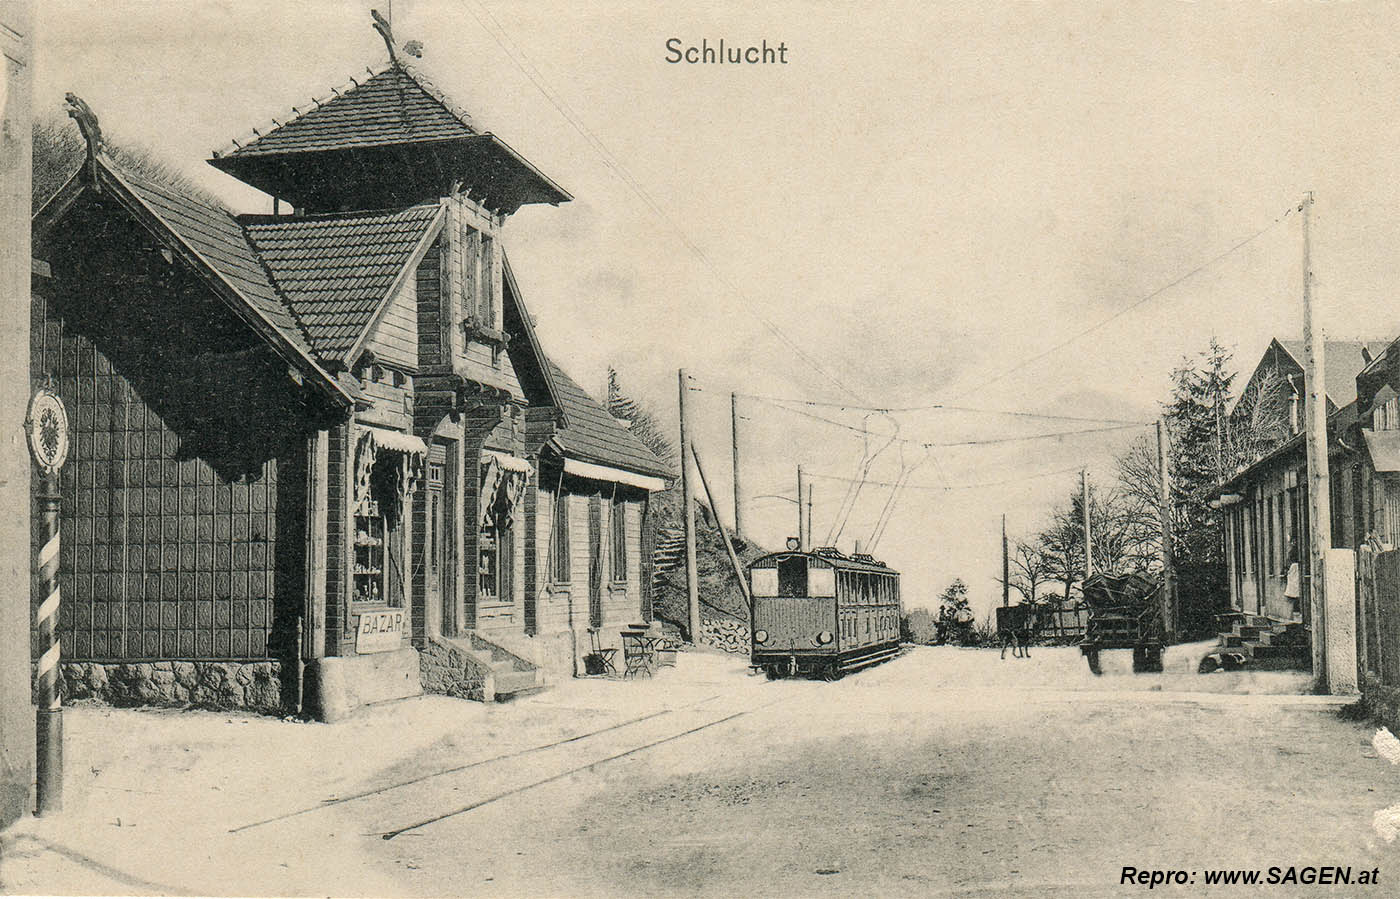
(325, 451)
(1265, 505)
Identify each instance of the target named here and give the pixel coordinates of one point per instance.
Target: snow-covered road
(945, 772)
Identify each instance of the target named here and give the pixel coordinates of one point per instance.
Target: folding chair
(602, 655)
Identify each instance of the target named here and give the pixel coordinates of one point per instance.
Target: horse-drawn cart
(1124, 613)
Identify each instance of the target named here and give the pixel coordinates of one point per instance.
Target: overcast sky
(924, 197)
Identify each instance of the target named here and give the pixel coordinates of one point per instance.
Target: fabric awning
(1384, 447)
(399, 442)
(506, 461)
(615, 475)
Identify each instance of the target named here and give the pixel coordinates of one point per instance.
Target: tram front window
(792, 576)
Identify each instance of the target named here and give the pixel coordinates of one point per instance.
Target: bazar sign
(379, 631)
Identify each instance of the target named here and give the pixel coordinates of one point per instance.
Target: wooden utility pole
(803, 538)
(1088, 537)
(1319, 481)
(724, 535)
(734, 452)
(1005, 566)
(1165, 513)
(692, 583)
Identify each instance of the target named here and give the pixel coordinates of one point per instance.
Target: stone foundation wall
(723, 632)
(450, 671)
(256, 686)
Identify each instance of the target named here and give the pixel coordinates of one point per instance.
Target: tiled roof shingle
(334, 270)
(394, 106)
(215, 234)
(593, 435)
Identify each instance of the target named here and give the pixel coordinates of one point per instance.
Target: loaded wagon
(1125, 612)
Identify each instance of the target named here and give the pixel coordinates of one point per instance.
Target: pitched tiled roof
(1343, 362)
(395, 105)
(593, 435)
(334, 270)
(215, 234)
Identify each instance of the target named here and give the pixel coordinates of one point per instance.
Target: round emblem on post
(47, 428)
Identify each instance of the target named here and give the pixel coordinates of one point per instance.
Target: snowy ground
(944, 772)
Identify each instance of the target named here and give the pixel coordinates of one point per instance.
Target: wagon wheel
(1092, 656)
(1147, 659)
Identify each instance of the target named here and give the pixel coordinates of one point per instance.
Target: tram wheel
(831, 672)
(772, 672)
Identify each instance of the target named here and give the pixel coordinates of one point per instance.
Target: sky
(933, 201)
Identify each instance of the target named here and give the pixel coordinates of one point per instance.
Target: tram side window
(792, 576)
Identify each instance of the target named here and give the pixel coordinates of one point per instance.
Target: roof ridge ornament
(91, 130)
(386, 31)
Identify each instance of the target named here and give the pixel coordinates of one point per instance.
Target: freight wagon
(822, 613)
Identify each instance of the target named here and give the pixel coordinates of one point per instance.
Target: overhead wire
(946, 407)
(848, 504)
(532, 72)
(952, 487)
(980, 442)
(1104, 322)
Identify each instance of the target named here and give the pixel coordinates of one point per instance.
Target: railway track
(557, 760)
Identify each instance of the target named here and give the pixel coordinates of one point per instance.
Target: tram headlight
(825, 637)
(760, 636)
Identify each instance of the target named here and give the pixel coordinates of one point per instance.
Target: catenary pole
(1319, 499)
(724, 535)
(1088, 537)
(734, 454)
(1164, 512)
(692, 584)
(1005, 566)
(803, 538)
(810, 488)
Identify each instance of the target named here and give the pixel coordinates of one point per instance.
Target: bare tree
(1260, 421)
(1029, 571)
(59, 150)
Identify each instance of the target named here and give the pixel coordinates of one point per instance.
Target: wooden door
(434, 549)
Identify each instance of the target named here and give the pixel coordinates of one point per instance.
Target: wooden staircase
(1259, 643)
(668, 555)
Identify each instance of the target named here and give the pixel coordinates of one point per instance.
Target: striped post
(49, 716)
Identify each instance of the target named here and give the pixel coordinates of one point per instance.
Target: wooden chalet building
(320, 457)
(1265, 503)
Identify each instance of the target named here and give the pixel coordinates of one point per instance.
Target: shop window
(617, 522)
(384, 476)
(502, 484)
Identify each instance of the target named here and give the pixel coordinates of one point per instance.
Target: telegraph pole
(692, 584)
(1088, 541)
(734, 452)
(1005, 566)
(803, 537)
(1319, 482)
(1165, 513)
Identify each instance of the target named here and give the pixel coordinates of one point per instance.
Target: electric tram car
(822, 613)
